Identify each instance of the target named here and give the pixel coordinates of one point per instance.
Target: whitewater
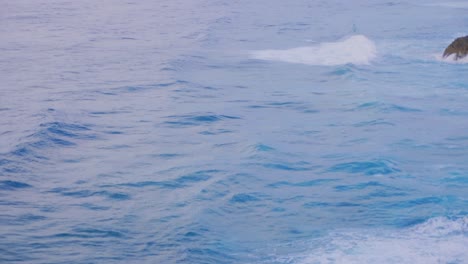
(217, 131)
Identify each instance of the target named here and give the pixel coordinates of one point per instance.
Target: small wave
(91, 193)
(180, 182)
(13, 185)
(48, 136)
(385, 108)
(370, 168)
(244, 198)
(310, 183)
(287, 166)
(375, 122)
(91, 233)
(460, 4)
(437, 240)
(356, 49)
(197, 119)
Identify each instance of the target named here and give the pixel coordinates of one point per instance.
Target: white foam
(451, 59)
(439, 240)
(356, 49)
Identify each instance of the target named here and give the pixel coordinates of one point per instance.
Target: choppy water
(217, 131)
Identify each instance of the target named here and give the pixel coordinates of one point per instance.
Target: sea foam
(438, 240)
(356, 49)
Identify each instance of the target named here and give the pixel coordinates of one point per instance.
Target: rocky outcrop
(459, 47)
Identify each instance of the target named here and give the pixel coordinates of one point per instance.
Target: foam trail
(439, 240)
(356, 49)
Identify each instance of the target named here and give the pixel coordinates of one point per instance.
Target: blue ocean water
(216, 131)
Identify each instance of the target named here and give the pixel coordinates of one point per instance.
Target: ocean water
(216, 131)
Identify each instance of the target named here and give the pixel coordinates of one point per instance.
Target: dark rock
(459, 47)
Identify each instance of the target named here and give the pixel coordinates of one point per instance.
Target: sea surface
(233, 131)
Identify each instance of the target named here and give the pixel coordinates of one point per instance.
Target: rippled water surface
(215, 131)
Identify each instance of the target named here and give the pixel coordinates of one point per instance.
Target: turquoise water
(232, 132)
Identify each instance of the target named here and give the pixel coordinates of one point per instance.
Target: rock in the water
(459, 47)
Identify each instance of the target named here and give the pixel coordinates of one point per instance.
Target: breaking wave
(451, 59)
(356, 49)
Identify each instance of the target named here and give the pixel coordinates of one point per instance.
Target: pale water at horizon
(215, 131)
